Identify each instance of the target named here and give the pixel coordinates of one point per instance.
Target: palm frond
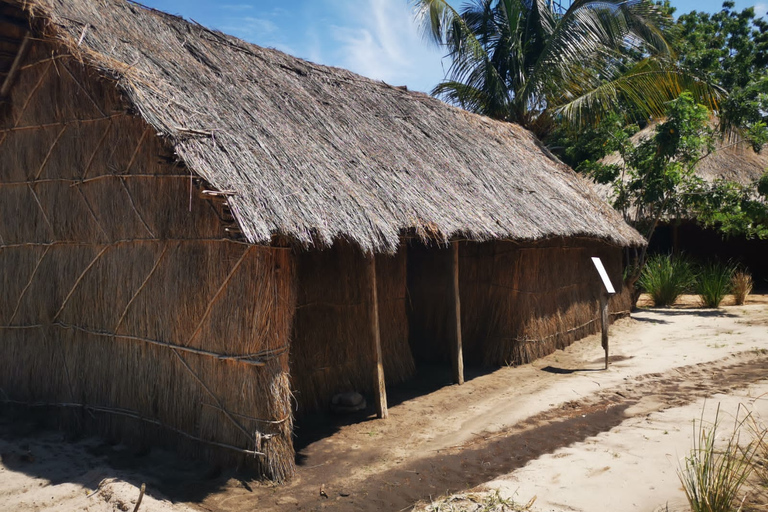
(594, 33)
(649, 86)
(457, 93)
(470, 62)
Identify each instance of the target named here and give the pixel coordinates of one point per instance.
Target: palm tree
(532, 62)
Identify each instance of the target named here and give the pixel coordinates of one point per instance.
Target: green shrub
(666, 278)
(713, 283)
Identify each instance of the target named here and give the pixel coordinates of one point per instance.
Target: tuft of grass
(713, 283)
(741, 286)
(665, 278)
(478, 502)
(713, 476)
(759, 433)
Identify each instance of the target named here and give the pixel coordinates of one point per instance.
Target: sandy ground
(563, 429)
(43, 472)
(634, 465)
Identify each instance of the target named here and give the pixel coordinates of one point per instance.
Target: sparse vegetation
(713, 474)
(741, 286)
(713, 283)
(665, 278)
(760, 459)
(478, 502)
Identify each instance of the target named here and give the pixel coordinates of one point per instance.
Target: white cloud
(761, 9)
(380, 39)
(236, 7)
(314, 46)
(249, 27)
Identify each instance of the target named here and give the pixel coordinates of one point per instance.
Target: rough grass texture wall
(122, 305)
(331, 349)
(519, 302)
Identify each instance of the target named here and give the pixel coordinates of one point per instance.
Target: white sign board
(603, 275)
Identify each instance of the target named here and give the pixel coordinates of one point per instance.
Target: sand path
(633, 466)
(508, 427)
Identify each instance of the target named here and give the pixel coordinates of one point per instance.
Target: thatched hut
(193, 228)
(731, 160)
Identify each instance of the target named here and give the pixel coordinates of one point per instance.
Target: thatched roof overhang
(731, 160)
(319, 153)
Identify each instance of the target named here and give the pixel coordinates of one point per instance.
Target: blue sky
(375, 38)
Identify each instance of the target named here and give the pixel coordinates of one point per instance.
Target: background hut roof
(320, 153)
(730, 161)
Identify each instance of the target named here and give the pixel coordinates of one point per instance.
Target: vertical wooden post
(379, 389)
(457, 355)
(604, 324)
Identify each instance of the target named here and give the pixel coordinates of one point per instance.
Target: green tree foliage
(730, 49)
(526, 62)
(658, 172)
(731, 208)
(656, 179)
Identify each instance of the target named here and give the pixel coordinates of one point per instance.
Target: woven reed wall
(122, 304)
(519, 302)
(331, 350)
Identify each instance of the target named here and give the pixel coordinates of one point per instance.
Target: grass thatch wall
(331, 349)
(430, 271)
(518, 301)
(122, 304)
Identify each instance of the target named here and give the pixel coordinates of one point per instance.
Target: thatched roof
(730, 161)
(319, 153)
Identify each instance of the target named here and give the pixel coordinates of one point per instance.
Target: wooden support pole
(604, 324)
(379, 388)
(457, 354)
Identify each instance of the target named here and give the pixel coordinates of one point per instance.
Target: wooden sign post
(604, 324)
(605, 294)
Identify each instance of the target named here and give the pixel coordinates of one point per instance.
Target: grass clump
(741, 286)
(713, 283)
(478, 502)
(712, 476)
(759, 433)
(665, 278)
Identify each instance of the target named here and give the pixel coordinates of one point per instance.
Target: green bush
(666, 278)
(713, 283)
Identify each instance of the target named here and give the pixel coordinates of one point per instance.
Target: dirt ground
(562, 429)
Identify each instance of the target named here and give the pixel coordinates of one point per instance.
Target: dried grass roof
(732, 161)
(319, 153)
